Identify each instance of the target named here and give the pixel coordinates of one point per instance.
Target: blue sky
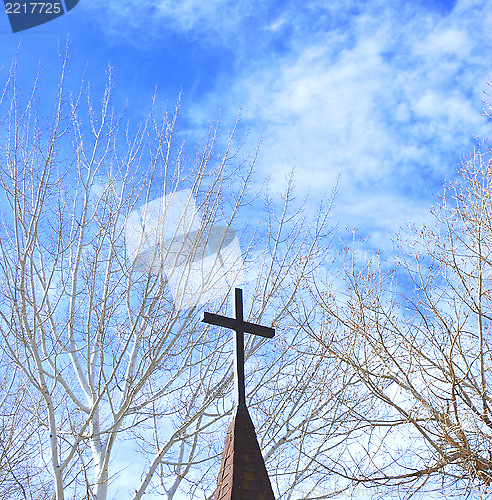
(385, 96)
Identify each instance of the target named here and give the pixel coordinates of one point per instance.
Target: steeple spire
(243, 475)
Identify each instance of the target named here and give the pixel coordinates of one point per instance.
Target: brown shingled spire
(242, 475)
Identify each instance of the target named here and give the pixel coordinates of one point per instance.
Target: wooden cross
(239, 326)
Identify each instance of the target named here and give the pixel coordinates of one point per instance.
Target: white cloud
(448, 41)
(386, 96)
(392, 110)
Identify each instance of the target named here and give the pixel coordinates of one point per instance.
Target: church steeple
(242, 475)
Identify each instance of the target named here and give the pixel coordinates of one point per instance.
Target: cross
(239, 326)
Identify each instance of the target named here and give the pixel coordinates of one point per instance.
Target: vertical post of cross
(239, 383)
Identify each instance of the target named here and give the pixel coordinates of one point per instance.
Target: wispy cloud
(389, 101)
(388, 97)
(147, 22)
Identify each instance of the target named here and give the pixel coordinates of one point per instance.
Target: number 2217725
(33, 8)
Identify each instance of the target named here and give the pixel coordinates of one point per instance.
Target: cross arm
(263, 331)
(234, 324)
(218, 320)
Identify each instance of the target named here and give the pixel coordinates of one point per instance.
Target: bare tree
(131, 388)
(22, 474)
(417, 341)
